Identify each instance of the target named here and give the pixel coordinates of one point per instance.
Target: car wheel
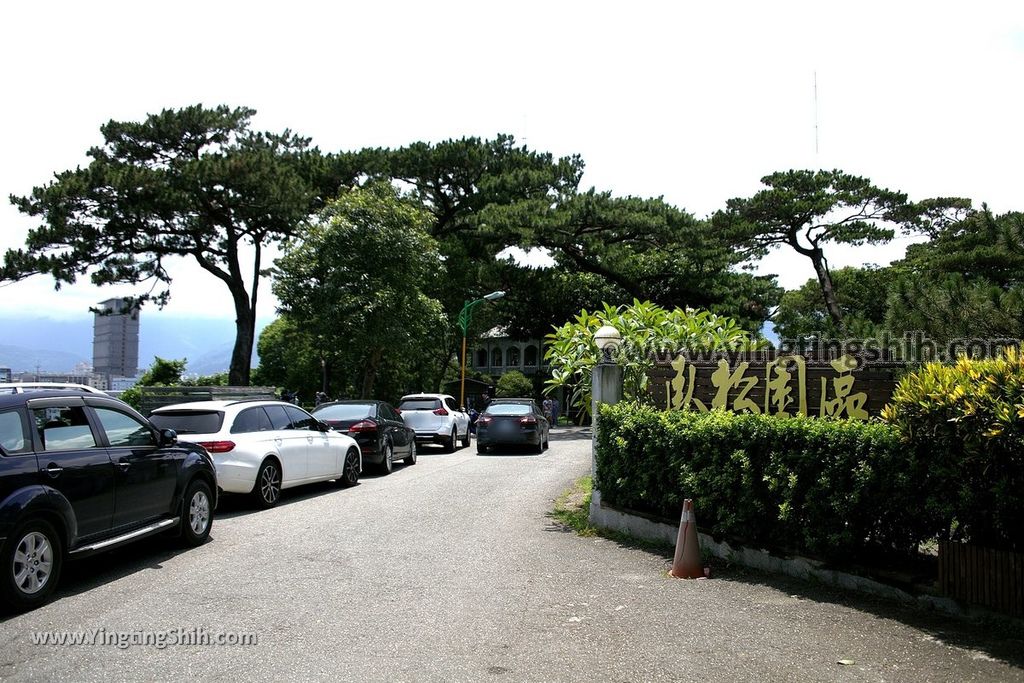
(539, 448)
(465, 441)
(547, 440)
(411, 458)
(387, 463)
(197, 513)
(350, 470)
(32, 559)
(267, 491)
(450, 442)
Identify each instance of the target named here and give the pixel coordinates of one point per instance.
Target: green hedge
(823, 487)
(963, 424)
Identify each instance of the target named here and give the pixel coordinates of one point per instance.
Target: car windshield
(345, 411)
(420, 404)
(189, 421)
(508, 409)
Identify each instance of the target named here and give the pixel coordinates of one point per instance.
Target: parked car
(378, 428)
(25, 387)
(82, 473)
(263, 446)
(436, 418)
(515, 422)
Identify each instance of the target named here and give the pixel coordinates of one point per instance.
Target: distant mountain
(25, 359)
(59, 345)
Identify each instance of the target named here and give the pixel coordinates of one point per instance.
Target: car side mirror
(168, 437)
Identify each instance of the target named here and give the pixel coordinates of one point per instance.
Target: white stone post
(606, 387)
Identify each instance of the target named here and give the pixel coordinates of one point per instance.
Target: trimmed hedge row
(824, 487)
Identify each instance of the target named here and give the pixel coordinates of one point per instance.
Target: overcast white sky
(694, 103)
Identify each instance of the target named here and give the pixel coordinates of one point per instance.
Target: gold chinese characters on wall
(784, 385)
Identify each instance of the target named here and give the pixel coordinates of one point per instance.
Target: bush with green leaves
(514, 384)
(963, 429)
(822, 487)
(646, 329)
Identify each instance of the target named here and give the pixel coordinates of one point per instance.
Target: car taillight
(218, 446)
(528, 420)
(484, 420)
(364, 426)
(440, 411)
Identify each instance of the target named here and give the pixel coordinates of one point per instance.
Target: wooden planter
(983, 577)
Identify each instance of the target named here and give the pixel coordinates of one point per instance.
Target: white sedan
(262, 447)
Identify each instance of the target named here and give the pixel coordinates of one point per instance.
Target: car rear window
(420, 404)
(508, 409)
(345, 411)
(189, 421)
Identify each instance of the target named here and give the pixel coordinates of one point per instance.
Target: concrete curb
(801, 568)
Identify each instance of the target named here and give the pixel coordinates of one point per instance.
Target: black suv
(82, 473)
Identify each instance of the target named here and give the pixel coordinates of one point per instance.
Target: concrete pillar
(606, 387)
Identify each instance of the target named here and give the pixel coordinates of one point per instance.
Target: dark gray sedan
(512, 424)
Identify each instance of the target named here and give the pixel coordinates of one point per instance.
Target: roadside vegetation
(942, 463)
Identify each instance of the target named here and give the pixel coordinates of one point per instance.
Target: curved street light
(464, 317)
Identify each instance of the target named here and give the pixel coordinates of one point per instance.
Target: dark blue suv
(82, 473)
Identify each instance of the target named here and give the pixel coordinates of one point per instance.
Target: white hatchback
(436, 419)
(263, 446)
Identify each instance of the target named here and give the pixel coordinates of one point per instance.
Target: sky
(694, 102)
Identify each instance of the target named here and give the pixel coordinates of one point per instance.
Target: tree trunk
(370, 373)
(245, 330)
(827, 291)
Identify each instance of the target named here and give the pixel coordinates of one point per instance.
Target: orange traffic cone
(687, 562)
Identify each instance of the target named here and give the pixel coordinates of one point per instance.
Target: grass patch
(572, 509)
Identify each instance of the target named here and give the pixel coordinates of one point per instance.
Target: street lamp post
(464, 317)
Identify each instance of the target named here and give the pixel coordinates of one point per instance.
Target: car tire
(539, 448)
(411, 458)
(465, 441)
(451, 442)
(387, 461)
(267, 489)
(547, 441)
(349, 470)
(32, 559)
(196, 514)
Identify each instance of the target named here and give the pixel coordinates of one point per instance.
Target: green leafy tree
(861, 294)
(456, 180)
(806, 210)
(161, 373)
(646, 249)
(514, 384)
(194, 183)
(646, 328)
(966, 282)
(290, 358)
(355, 282)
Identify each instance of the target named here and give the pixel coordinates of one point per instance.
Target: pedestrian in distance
(556, 408)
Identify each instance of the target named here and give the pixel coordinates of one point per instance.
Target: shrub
(645, 328)
(963, 426)
(801, 484)
(514, 384)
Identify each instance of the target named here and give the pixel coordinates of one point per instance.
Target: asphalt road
(452, 570)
